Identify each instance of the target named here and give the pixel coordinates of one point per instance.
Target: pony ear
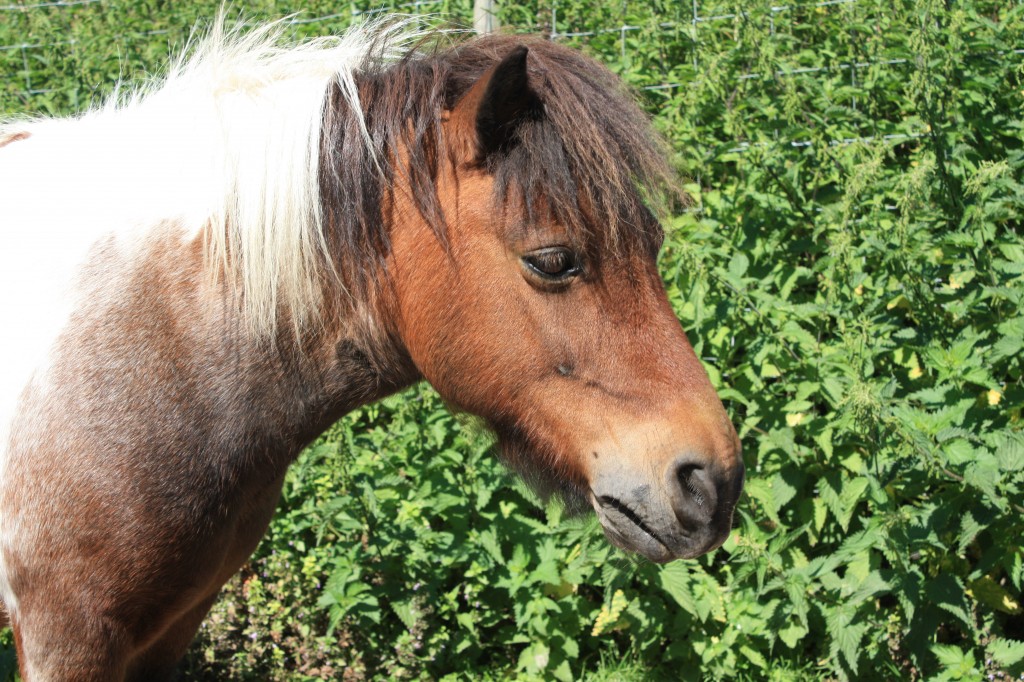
(498, 103)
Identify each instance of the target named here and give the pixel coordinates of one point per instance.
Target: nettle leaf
(738, 266)
(984, 474)
(1016, 568)
(793, 635)
(1008, 652)
(754, 657)
(973, 521)
(931, 396)
(796, 590)
(782, 491)
(709, 600)
(1009, 450)
(1006, 347)
(547, 572)
(794, 332)
(761, 491)
(958, 452)
(1013, 252)
(909, 592)
(845, 637)
(993, 595)
(824, 441)
(675, 579)
(948, 593)
(488, 539)
(857, 545)
(836, 389)
(951, 433)
(535, 658)
(611, 574)
(841, 495)
(406, 611)
(871, 586)
(958, 664)
(820, 513)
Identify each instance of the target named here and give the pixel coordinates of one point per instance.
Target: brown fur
(8, 138)
(209, 418)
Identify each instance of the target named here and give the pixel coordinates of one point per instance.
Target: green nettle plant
(851, 269)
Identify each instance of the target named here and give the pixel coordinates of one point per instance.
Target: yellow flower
(994, 396)
(915, 372)
(608, 618)
(794, 418)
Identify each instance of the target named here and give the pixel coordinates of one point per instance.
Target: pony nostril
(685, 476)
(694, 498)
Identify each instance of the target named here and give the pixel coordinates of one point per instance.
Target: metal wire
(690, 25)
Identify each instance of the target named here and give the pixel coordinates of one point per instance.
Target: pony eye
(554, 263)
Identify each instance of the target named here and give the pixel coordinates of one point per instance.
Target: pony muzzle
(681, 513)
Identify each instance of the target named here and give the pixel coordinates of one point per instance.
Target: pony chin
(541, 472)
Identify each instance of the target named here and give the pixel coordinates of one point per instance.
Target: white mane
(228, 139)
(269, 104)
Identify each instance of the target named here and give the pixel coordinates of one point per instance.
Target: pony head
(522, 283)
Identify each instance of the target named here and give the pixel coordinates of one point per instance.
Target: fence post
(485, 16)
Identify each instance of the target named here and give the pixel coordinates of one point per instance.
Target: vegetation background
(852, 273)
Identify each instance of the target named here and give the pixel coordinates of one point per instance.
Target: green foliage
(851, 269)
(8, 661)
(426, 558)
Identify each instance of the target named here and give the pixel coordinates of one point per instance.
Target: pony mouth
(626, 529)
(612, 503)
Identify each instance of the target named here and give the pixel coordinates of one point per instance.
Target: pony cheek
(476, 345)
(471, 366)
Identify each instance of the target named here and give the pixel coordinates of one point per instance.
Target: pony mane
(294, 149)
(268, 100)
(589, 160)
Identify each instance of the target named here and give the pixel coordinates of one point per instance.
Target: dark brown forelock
(590, 160)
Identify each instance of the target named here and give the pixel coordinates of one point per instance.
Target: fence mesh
(60, 56)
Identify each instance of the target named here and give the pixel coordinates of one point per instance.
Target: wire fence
(28, 66)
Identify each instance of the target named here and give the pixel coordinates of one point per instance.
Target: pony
(202, 275)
